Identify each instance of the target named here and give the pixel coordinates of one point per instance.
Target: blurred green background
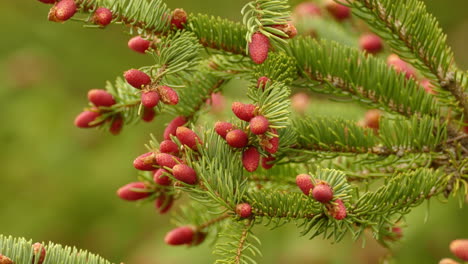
(58, 182)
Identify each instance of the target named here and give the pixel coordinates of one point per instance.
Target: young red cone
(102, 16)
(133, 191)
(304, 182)
(62, 11)
(258, 48)
(47, 2)
(401, 66)
(428, 87)
(339, 211)
(138, 44)
(167, 146)
(148, 114)
(222, 128)
(85, 118)
(5, 260)
(180, 236)
(179, 18)
(164, 203)
(38, 247)
(259, 125)
(173, 125)
(251, 159)
(371, 43)
(161, 178)
(187, 137)
(184, 174)
(340, 12)
(243, 111)
(300, 102)
(116, 125)
(267, 162)
(168, 95)
(137, 78)
(100, 97)
(372, 118)
(322, 192)
(149, 99)
(145, 162)
(166, 160)
(237, 138)
(262, 82)
(459, 248)
(272, 145)
(244, 210)
(307, 9)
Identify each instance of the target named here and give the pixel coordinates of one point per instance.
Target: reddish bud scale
(148, 114)
(5, 260)
(168, 95)
(372, 118)
(258, 48)
(36, 248)
(339, 12)
(161, 178)
(166, 160)
(222, 128)
(187, 137)
(167, 146)
(289, 29)
(85, 118)
(164, 203)
(322, 192)
(145, 162)
(371, 43)
(62, 11)
(137, 78)
(237, 138)
(149, 99)
(102, 16)
(244, 210)
(243, 111)
(304, 182)
(48, 1)
(100, 97)
(116, 125)
(307, 9)
(267, 162)
(259, 125)
(180, 236)
(251, 159)
(133, 191)
(339, 211)
(262, 82)
(184, 174)
(138, 44)
(179, 18)
(173, 125)
(459, 248)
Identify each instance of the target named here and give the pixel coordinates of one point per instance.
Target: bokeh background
(58, 182)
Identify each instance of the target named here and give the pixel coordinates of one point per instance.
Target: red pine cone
(459, 248)
(243, 111)
(340, 12)
(128, 192)
(371, 43)
(307, 9)
(237, 138)
(100, 97)
(300, 102)
(266, 162)
(262, 82)
(258, 48)
(173, 125)
(62, 11)
(251, 159)
(102, 16)
(372, 118)
(184, 174)
(139, 44)
(322, 192)
(222, 128)
(180, 236)
(339, 211)
(166, 160)
(401, 66)
(164, 203)
(5, 260)
(428, 87)
(304, 182)
(167, 146)
(36, 248)
(168, 95)
(85, 118)
(160, 178)
(116, 125)
(145, 162)
(137, 78)
(187, 137)
(272, 144)
(149, 99)
(259, 125)
(148, 114)
(244, 210)
(179, 18)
